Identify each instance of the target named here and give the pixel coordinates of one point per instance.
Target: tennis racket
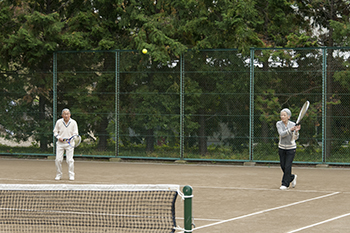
(303, 110)
(73, 141)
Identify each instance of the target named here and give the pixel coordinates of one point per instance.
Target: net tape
(87, 208)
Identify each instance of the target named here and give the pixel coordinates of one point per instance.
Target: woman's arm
(282, 130)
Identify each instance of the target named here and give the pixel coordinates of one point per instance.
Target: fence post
(54, 99)
(116, 110)
(251, 105)
(324, 105)
(187, 191)
(182, 107)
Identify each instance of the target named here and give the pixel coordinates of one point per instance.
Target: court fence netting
(216, 105)
(90, 208)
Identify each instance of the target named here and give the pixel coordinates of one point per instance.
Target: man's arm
(56, 131)
(75, 128)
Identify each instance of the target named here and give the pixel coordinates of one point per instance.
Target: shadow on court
(227, 198)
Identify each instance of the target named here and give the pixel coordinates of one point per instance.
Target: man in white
(65, 128)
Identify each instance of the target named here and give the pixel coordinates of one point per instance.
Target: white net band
(92, 187)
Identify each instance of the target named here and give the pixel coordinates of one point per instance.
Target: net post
(187, 191)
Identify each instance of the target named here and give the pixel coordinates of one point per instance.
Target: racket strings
(75, 141)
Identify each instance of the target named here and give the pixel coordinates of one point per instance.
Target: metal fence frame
(182, 75)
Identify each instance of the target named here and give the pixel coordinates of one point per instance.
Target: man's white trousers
(62, 147)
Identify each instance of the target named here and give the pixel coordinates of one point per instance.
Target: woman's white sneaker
(294, 182)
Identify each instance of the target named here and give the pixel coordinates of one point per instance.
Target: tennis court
(227, 198)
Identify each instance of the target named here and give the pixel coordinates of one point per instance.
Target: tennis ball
(144, 51)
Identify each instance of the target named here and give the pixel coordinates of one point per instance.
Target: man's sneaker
(71, 178)
(283, 187)
(294, 182)
(57, 177)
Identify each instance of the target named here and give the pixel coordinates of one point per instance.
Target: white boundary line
(201, 219)
(319, 223)
(264, 189)
(265, 211)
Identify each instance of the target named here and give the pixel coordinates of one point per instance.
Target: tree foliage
(32, 30)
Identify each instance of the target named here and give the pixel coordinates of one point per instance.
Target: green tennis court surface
(227, 198)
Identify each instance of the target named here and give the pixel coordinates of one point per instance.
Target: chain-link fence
(26, 111)
(216, 105)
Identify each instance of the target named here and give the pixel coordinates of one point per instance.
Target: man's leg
(58, 161)
(70, 162)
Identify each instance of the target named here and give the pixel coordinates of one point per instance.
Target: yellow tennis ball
(144, 51)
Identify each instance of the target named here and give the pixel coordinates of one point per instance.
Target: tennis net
(87, 208)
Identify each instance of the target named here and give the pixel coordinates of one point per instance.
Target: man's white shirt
(65, 130)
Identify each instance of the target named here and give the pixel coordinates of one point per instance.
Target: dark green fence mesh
(338, 102)
(217, 105)
(149, 106)
(286, 79)
(26, 111)
(86, 85)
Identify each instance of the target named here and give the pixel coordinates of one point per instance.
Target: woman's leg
(287, 168)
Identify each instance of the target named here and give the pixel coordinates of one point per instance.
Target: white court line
(201, 219)
(319, 223)
(263, 189)
(265, 211)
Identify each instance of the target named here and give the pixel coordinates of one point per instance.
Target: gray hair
(65, 109)
(286, 110)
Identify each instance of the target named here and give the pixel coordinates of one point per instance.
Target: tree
(323, 16)
(168, 28)
(25, 51)
(37, 29)
(32, 30)
(279, 26)
(208, 24)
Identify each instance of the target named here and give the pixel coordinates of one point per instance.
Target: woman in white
(288, 133)
(65, 128)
